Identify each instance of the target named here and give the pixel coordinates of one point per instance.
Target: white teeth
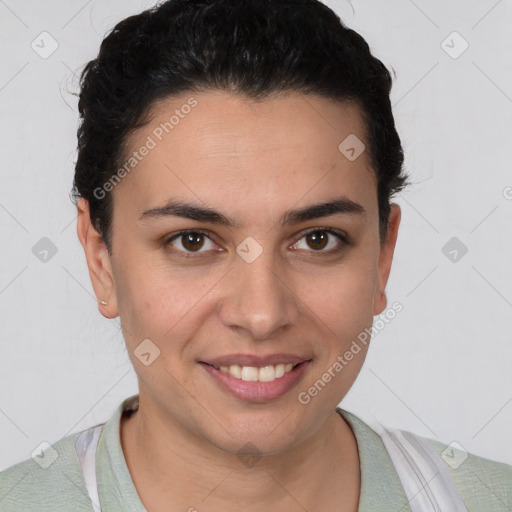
(235, 371)
(267, 374)
(249, 373)
(261, 374)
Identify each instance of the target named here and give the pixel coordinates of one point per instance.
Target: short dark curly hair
(250, 47)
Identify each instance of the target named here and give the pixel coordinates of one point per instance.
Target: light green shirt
(485, 485)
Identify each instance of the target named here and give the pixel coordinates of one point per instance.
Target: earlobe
(386, 259)
(98, 261)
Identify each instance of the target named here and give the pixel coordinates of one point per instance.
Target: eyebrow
(340, 205)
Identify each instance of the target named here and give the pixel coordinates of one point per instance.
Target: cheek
(341, 308)
(160, 302)
(341, 296)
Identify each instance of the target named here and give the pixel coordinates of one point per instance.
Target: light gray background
(441, 368)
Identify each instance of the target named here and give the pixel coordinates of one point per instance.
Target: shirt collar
(380, 486)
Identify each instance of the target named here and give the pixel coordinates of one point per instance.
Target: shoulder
(484, 484)
(51, 481)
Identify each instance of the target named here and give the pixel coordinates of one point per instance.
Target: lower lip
(258, 391)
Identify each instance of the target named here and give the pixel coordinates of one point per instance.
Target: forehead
(221, 148)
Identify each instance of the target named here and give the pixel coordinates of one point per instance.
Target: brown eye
(317, 240)
(188, 242)
(192, 241)
(325, 241)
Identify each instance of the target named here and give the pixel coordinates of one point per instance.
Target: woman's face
(253, 277)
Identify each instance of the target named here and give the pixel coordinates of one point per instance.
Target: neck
(320, 474)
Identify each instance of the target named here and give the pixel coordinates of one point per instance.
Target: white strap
(426, 479)
(85, 446)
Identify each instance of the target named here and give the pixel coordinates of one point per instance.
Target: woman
(236, 165)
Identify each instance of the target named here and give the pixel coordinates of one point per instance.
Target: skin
(268, 157)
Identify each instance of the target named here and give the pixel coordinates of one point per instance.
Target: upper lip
(254, 360)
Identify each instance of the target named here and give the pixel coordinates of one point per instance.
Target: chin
(258, 432)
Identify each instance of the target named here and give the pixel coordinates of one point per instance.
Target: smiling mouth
(257, 377)
(267, 373)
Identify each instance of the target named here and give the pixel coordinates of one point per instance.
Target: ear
(385, 260)
(98, 261)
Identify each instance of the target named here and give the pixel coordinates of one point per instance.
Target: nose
(259, 298)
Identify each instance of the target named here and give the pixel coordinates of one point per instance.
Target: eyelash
(341, 236)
